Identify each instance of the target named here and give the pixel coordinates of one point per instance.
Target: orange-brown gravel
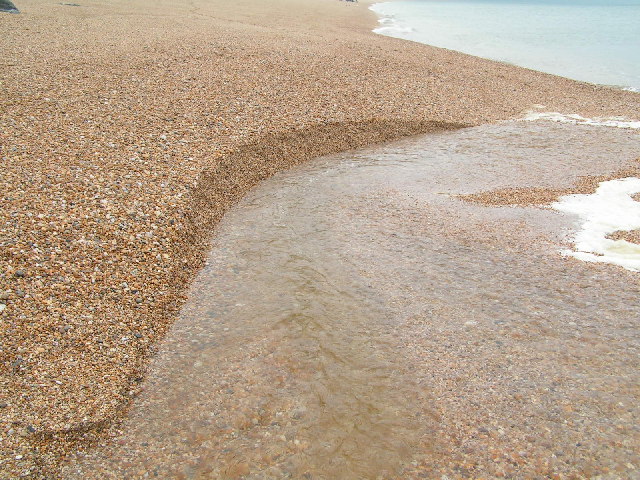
(126, 130)
(525, 196)
(632, 236)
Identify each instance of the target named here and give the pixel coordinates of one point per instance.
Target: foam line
(608, 210)
(617, 122)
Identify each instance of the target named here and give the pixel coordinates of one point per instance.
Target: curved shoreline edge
(219, 189)
(69, 137)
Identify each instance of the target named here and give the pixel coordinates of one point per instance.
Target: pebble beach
(128, 129)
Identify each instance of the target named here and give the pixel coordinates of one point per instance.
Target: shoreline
(120, 154)
(389, 25)
(214, 345)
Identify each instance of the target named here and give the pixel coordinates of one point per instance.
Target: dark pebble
(20, 273)
(7, 6)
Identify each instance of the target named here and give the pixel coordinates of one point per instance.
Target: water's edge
(389, 24)
(342, 298)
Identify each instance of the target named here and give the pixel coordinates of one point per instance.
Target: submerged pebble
(461, 342)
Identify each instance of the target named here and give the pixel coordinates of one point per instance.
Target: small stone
(5, 296)
(298, 413)
(2, 307)
(137, 335)
(3, 405)
(20, 293)
(8, 6)
(239, 470)
(20, 274)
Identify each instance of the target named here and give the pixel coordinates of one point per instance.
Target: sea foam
(617, 122)
(389, 24)
(610, 209)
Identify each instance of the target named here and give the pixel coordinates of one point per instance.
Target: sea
(596, 41)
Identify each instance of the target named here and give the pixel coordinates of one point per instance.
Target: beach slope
(126, 131)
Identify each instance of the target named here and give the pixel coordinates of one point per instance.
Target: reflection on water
(313, 342)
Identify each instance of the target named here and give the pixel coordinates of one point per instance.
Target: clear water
(597, 41)
(356, 320)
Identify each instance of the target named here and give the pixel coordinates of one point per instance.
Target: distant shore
(127, 130)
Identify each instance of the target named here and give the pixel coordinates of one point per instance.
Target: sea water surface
(597, 41)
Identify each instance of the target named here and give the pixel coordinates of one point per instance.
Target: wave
(617, 122)
(389, 24)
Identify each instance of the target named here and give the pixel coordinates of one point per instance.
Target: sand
(127, 129)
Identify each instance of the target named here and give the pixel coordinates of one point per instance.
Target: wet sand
(128, 129)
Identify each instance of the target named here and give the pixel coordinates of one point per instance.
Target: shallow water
(342, 298)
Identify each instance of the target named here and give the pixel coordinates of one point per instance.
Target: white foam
(631, 89)
(608, 210)
(617, 122)
(389, 25)
(392, 31)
